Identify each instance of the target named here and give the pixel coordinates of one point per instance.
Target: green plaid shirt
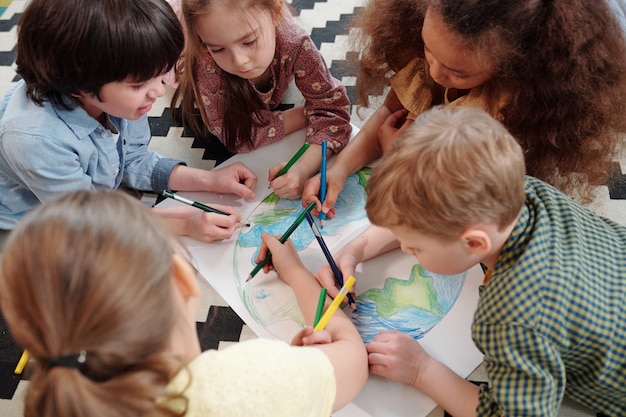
(552, 319)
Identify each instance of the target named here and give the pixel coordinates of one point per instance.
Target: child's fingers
(263, 250)
(326, 279)
(273, 171)
(317, 338)
(334, 187)
(310, 192)
(396, 119)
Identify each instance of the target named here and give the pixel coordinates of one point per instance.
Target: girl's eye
(250, 43)
(460, 76)
(138, 86)
(216, 50)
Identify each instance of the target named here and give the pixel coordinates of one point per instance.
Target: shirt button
(117, 171)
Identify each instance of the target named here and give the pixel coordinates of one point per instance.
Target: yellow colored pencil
(22, 363)
(335, 304)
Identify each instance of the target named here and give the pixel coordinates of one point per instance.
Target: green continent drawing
(398, 294)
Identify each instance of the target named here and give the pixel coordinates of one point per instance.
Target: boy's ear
(477, 241)
(184, 277)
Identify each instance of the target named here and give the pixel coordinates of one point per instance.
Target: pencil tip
(249, 278)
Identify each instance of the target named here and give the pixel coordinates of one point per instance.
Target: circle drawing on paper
(392, 291)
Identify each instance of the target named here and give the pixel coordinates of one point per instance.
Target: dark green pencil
(320, 306)
(293, 159)
(282, 239)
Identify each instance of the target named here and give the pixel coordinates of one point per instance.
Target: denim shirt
(46, 151)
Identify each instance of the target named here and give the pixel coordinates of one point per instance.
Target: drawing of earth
(412, 306)
(392, 291)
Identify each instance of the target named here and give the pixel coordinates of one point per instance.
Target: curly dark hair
(563, 63)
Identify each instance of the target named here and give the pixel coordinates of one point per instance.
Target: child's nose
(239, 57)
(436, 71)
(157, 88)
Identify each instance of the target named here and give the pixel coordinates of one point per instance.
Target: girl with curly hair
(552, 71)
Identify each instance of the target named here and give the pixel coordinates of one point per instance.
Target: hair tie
(75, 360)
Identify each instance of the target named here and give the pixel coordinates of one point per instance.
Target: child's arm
(232, 179)
(326, 102)
(370, 243)
(397, 356)
(294, 119)
(346, 351)
(362, 150)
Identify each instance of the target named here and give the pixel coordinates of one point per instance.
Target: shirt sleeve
(326, 105)
(54, 169)
(526, 372)
(143, 169)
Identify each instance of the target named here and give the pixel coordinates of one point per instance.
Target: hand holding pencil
(286, 179)
(264, 257)
(200, 221)
(285, 258)
(326, 275)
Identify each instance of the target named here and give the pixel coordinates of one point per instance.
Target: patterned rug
(218, 326)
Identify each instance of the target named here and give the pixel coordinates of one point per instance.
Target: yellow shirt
(260, 377)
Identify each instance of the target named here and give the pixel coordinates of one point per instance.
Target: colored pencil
(21, 363)
(320, 306)
(293, 159)
(197, 204)
(336, 272)
(282, 239)
(335, 304)
(323, 181)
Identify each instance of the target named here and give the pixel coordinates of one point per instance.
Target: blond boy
(551, 319)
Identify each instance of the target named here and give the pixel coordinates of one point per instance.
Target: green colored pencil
(282, 239)
(293, 159)
(320, 306)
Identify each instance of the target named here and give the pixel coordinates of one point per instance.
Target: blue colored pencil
(323, 181)
(336, 272)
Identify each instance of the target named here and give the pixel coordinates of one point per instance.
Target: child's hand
(236, 179)
(307, 337)
(208, 227)
(347, 265)
(397, 356)
(288, 185)
(393, 127)
(285, 258)
(311, 191)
